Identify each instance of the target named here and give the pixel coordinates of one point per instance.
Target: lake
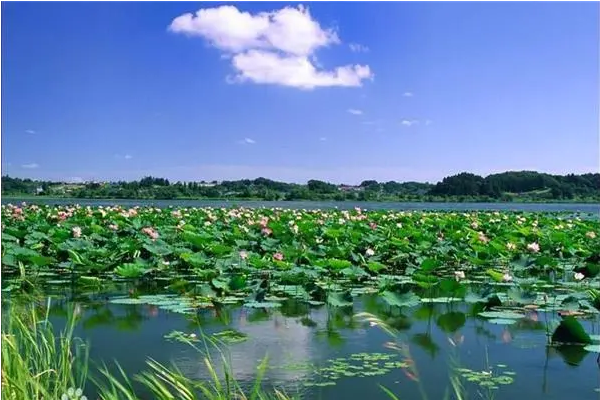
(474, 296)
(586, 208)
(311, 349)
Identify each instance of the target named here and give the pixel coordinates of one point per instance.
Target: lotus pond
(345, 304)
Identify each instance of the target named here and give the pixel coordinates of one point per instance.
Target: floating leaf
(339, 299)
(502, 321)
(257, 304)
(501, 314)
(400, 300)
(592, 348)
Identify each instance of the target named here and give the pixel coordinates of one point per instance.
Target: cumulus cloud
(30, 166)
(355, 111)
(358, 48)
(276, 47)
(323, 139)
(30, 131)
(407, 94)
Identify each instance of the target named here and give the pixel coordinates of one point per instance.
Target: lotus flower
(151, 233)
(533, 247)
(76, 232)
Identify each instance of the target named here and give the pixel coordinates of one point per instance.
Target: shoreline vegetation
(518, 187)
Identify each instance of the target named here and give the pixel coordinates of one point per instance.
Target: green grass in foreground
(41, 364)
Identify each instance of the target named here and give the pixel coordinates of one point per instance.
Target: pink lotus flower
(266, 231)
(482, 238)
(591, 234)
(114, 227)
(243, 255)
(370, 252)
(151, 233)
(76, 232)
(459, 275)
(507, 278)
(578, 276)
(533, 247)
(278, 256)
(373, 225)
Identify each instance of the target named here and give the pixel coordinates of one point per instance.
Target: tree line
(506, 186)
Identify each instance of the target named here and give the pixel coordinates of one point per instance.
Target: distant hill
(506, 186)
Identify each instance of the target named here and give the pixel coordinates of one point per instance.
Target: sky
(343, 92)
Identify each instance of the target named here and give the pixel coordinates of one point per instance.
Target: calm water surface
(300, 339)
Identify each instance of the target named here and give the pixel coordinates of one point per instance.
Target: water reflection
(299, 338)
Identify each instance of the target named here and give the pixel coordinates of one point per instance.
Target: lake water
(529, 207)
(301, 340)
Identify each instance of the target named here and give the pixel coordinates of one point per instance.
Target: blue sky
(341, 91)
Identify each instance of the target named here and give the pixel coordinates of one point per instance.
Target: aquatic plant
(37, 364)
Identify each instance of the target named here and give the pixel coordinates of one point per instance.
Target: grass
(38, 363)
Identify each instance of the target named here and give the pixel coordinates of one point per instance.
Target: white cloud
(30, 166)
(354, 111)
(428, 122)
(247, 141)
(407, 122)
(407, 94)
(265, 67)
(275, 47)
(358, 48)
(323, 138)
(128, 156)
(75, 179)
(30, 131)
(290, 30)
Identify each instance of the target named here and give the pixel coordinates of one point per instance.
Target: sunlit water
(299, 340)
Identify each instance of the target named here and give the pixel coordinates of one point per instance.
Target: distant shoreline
(234, 200)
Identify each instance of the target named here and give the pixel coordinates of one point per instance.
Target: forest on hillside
(506, 186)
